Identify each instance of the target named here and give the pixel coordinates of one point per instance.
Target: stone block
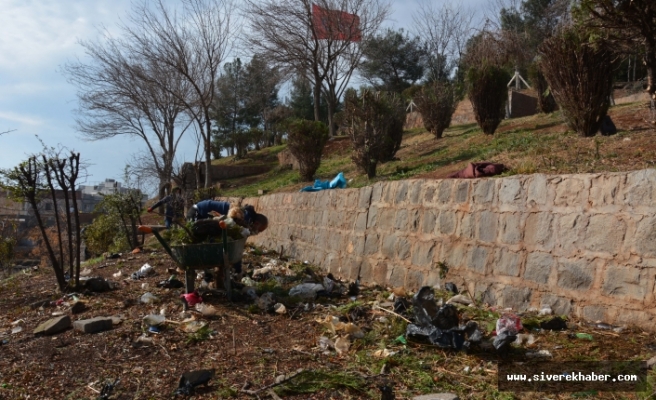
(484, 192)
(489, 293)
(444, 191)
(414, 279)
(511, 192)
(569, 231)
(396, 275)
(437, 396)
(605, 233)
(478, 259)
(364, 197)
(626, 281)
(454, 255)
(388, 192)
(640, 188)
(422, 254)
(429, 222)
(559, 305)
(372, 217)
(377, 193)
(53, 326)
(446, 224)
(570, 192)
(466, 226)
(487, 226)
(401, 220)
(401, 193)
(388, 247)
(537, 230)
(538, 267)
(428, 194)
(644, 241)
(510, 227)
(462, 191)
(635, 317)
(93, 325)
(379, 272)
(431, 278)
(507, 262)
(386, 219)
(594, 313)
(361, 221)
(371, 244)
(537, 190)
(415, 191)
(516, 298)
(355, 245)
(414, 217)
(575, 274)
(403, 248)
(604, 189)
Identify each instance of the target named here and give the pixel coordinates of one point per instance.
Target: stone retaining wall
(582, 244)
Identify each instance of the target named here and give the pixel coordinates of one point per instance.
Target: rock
(650, 363)
(437, 396)
(266, 301)
(97, 285)
(78, 307)
(53, 326)
(93, 325)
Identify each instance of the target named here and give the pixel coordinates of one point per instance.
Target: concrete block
(446, 224)
(605, 233)
(626, 281)
(93, 325)
(538, 267)
(53, 326)
(575, 274)
(510, 228)
(516, 298)
(371, 244)
(422, 254)
(537, 190)
(537, 230)
(507, 262)
(487, 226)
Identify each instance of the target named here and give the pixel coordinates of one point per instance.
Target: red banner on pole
(336, 25)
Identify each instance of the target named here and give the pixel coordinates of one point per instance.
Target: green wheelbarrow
(192, 257)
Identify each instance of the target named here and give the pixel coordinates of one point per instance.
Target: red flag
(337, 25)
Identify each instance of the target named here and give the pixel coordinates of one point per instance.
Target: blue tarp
(338, 182)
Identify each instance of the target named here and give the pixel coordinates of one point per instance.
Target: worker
(174, 207)
(243, 216)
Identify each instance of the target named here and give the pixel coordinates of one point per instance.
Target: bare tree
(191, 46)
(446, 31)
(319, 39)
(122, 93)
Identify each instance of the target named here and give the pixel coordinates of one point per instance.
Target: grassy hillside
(536, 144)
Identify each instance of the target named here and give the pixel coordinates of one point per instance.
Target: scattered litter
(326, 344)
(193, 326)
(524, 338)
(191, 379)
(118, 274)
(171, 283)
(154, 320)
(401, 305)
(384, 353)
(306, 290)
(250, 292)
(143, 272)
(148, 298)
(86, 272)
(153, 329)
(545, 311)
(460, 299)
(106, 391)
(207, 310)
(401, 339)
(16, 329)
(507, 328)
(342, 345)
(466, 370)
(539, 354)
(554, 324)
(279, 308)
(144, 285)
(248, 281)
(586, 336)
(191, 299)
(383, 320)
(98, 285)
(451, 287)
(266, 301)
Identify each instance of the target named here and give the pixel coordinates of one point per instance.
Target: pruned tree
(374, 121)
(191, 46)
(123, 93)
(580, 74)
(436, 102)
(393, 61)
(446, 31)
(318, 38)
(306, 140)
(627, 25)
(487, 92)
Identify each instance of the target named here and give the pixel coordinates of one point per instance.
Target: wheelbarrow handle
(160, 239)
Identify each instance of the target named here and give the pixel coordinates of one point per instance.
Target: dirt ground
(249, 348)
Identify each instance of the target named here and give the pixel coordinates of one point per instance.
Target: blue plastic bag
(338, 182)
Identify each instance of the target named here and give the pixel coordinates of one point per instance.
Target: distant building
(93, 194)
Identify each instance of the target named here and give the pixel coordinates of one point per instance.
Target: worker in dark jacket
(174, 209)
(243, 216)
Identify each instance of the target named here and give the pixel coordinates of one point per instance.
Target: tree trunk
(331, 114)
(317, 98)
(650, 63)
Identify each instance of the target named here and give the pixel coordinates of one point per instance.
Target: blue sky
(37, 37)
